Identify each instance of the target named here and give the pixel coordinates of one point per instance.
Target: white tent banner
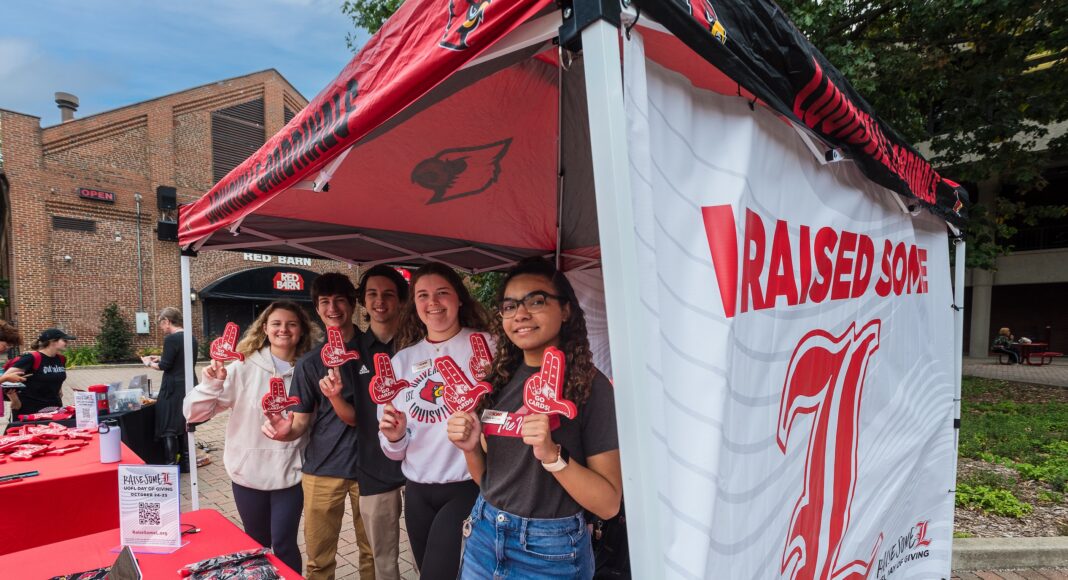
(800, 366)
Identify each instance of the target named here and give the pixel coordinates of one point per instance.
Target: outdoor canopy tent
(748, 227)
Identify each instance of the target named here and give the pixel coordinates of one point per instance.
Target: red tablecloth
(75, 495)
(217, 537)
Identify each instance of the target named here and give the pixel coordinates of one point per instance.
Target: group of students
(476, 505)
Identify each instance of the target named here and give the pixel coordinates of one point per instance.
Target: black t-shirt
(516, 482)
(378, 473)
(331, 450)
(172, 360)
(44, 388)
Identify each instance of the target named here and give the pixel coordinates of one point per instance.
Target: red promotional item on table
(277, 400)
(385, 387)
(459, 394)
(224, 348)
(481, 359)
(334, 353)
(543, 391)
(50, 413)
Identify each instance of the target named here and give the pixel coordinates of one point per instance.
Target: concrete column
(979, 337)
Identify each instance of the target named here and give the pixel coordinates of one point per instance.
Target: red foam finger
(334, 353)
(276, 399)
(481, 359)
(224, 348)
(384, 386)
(543, 391)
(458, 394)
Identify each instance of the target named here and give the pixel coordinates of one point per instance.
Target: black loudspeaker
(167, 231)
(166, 198)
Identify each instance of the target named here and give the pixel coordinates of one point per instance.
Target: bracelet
(561, 460)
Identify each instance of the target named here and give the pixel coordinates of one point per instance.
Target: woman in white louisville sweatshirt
(438, 321)
(265, 473)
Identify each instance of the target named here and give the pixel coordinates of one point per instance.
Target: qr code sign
(148, 513)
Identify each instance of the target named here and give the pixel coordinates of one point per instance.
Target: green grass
(1029, 437)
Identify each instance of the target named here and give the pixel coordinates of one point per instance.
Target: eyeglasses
(533, 302)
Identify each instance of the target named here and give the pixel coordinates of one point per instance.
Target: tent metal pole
(958, 355)
(619, 260)
(187, 346)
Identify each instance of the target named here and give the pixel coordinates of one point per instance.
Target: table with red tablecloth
(217, 536)
(74, 495)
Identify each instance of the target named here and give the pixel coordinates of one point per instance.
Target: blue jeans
(502, 545)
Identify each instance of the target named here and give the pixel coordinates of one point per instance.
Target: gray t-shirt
(331, 450)
(516, 482)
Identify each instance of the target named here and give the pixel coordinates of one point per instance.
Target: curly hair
(579, 370)
(472, 314)
(9, 334)
(255, 338)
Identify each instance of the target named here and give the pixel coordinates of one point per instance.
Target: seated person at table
(1003, 343)
(265, 473)
(45, 370)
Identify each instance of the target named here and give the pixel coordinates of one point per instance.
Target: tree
(369, 15)
(115, 338)
(979, 82)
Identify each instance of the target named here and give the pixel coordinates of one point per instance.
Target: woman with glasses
(440, 319)
(528, 521)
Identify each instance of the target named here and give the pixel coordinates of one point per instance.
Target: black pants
(272, 519)
(434, 514)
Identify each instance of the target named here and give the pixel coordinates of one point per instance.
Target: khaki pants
(381, 518)
(324, 509)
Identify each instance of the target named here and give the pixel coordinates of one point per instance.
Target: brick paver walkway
(215, 491)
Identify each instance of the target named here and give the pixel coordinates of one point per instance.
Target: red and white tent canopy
(785, 358)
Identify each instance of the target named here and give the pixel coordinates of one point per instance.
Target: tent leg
(187, 336)
(619, 259)
(958, 354)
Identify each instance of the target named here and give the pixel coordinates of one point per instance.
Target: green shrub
(115, 338)
(149, 351)
(990, 479)
(1050, 496)
(999, 502)
(82, 356)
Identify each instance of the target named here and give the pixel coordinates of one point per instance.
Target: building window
(287, 115)
(73, 224)
(236, 133)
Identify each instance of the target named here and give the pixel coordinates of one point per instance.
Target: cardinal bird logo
(456, 173)
(703, 12)
(464, 18)
(431, 391)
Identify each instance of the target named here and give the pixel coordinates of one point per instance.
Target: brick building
(81, 212)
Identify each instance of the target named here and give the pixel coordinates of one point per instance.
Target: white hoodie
(251, 458)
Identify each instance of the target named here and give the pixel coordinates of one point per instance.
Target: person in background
(265, 473)
(170, 424)
(382, 292)
(9, 339)
(44, 371)
(1004, 343)
(330, 472)
(439, 321)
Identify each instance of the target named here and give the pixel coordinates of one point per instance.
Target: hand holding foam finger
(465, 431)
(543, 392)
(334, 353)
(384, 386)
(458, 394)
(393, 423)
(224, 348)
(277, 400)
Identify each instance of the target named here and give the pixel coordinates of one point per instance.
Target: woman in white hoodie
(265, 473)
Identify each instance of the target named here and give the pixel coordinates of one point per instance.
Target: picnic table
(1035, 353)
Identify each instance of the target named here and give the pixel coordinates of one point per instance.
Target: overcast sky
(112, 53)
